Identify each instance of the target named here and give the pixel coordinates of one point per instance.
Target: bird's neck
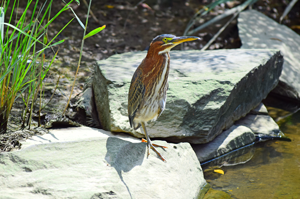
(156, 53)
(154, 57)
(155, 65)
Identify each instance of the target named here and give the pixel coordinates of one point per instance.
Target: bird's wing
(135, 96)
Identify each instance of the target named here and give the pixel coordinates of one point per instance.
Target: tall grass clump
(22, 54)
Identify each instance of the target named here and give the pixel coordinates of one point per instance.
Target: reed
(23, 42)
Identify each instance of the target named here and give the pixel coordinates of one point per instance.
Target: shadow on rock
(124, 155)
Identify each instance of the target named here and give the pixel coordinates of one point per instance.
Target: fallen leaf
(276, 39)
(220, 171)
(146, 6)
(295, 27)
(109, 6)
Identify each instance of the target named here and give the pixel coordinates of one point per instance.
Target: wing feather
(135, 96)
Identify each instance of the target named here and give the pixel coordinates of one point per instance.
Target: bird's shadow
(124, 156)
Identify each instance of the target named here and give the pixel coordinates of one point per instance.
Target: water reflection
(235, 157)
(264, 170)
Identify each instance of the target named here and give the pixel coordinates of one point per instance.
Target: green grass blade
(21, 31)
(66, 7)
(1, 26)
(95, 31)
(59, 42)
(49, 46)
(79, 21)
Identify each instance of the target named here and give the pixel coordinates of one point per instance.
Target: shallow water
(269, 169)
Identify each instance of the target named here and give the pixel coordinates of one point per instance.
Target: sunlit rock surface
(258, 31)
(208, 91)
(261, 125)
(84, 162)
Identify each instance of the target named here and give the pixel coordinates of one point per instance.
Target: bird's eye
(166, 39)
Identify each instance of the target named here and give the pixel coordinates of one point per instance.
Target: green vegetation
(23, 42)
(23, 68)
(85, 36)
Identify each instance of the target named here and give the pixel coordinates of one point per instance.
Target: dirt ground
(130, 26)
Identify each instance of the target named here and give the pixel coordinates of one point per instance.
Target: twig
(56, 86)
(217, 18)
(131, 12)
(238, 10)
(92, 14)
(192, 21)
(287, 9)
(214, 20)
(287, 115)
(219, 32)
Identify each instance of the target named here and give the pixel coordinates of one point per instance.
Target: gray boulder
(233, 138)
(255, 126)
(208, 91)
(258, 31)
(261, 125)
(90, 163)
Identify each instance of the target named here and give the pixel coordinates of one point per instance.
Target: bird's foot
(156, 145)
(149, 144)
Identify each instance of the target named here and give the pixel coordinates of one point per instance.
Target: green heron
(149, 84)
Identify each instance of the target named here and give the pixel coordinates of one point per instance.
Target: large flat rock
(91, 163)
(208, 91)
(258, 31)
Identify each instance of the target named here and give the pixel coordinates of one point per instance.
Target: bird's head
(164, 43)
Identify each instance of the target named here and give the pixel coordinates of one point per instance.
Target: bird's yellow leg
(156, 145)
(149, 144)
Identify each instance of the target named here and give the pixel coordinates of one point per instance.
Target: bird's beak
(179, 40)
